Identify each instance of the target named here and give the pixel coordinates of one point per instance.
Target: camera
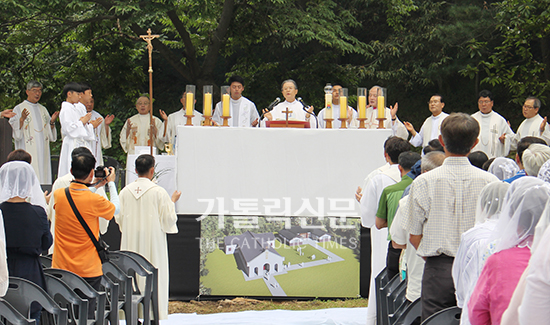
(100, 172)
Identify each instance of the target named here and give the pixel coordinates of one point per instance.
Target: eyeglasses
(528, 107)
(288, 88)
(484, 102)
(434, 102)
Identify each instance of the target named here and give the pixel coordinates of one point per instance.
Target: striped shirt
(443, 205)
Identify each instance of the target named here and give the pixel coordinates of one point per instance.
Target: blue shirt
(521, 173)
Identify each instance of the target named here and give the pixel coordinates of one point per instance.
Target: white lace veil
(17, 179)
(544, 172)
(503, 168)
(490, 201)
(524, 210)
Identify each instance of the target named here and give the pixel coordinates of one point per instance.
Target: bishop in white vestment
(391, 120)
(147, 214)
(33, 130)
(295, 109)
(135, 131)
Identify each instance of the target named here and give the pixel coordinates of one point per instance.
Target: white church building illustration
(254, 253)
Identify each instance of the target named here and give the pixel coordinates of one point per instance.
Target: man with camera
(73, 248)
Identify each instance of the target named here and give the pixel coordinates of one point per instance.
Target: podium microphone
(304, 107)
(273, 103)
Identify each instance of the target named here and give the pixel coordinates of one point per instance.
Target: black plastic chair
(22, 293)
(411, 313)
(142, 295)
(112, 293)
(380, 281)
(448, 316)
(45, 261)
(155, 290)
(65, 297)
(10, 314)
(382, 304)
(75, 282)
(397, 302)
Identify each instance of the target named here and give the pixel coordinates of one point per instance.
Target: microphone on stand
(304, 107)
(273, 103)
(270, 107)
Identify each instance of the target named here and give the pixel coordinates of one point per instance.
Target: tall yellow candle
(189, 101)
(381, 107)
(362, 105)
(343, 107)
(207, 110)
(225, 104)
(328, 105)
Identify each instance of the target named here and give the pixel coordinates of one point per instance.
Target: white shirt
(415, 264)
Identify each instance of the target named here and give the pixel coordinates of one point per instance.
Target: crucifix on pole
(148, 38)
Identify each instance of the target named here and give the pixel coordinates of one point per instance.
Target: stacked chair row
(393, 308)
(68, 296)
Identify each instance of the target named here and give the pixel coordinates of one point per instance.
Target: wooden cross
(286, 113)
(148, 38)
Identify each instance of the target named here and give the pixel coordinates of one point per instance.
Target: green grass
(340, 279)
(225, 279)
(291, 253)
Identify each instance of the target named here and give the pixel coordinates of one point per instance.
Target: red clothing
(73, 248)
(496, 284)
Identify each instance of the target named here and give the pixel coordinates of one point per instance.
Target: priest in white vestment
(351, 121)
(33, 130)
(135, 131)
(243, 111)
(295, 109)
(431, 128)
(102, 134)
(147, 214)
(533, 125)
(495, 135)
(76, 126)
(171, 122)
(390, 113)
(369, 206)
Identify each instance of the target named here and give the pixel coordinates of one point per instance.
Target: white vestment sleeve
(418, 139)
(105, 140)
(124, 143)
(399, 129)
(167, 214)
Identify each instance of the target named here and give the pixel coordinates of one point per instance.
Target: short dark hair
(80, 151)
(394, 146)
(524, 143)
(71, 86)
(82, 165)
(144, 163)
(478, 158)
(459, 132)
(536, 101)
(433, 145)
(85, 86)
(19, 155)
(485, 93)
(238, 79)
(407, 159)
(440, 97)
